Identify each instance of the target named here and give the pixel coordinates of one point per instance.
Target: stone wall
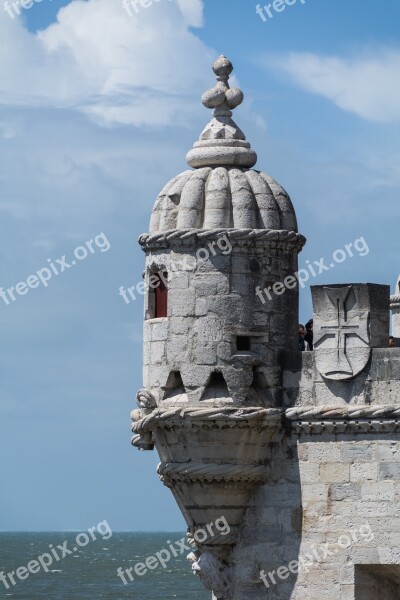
(332, 502)
(272, 529)
(379, 384)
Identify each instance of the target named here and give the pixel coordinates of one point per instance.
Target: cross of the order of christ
(336, 330)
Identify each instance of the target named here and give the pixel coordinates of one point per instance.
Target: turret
(220, 234)
(221, 308)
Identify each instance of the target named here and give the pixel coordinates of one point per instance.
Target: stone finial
(221, 97)
(222, 143)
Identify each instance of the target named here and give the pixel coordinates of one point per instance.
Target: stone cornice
(195, 238)
(209, 417)
(344, 419)
(306, 419)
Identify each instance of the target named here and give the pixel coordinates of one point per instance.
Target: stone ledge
(193, 238)
(212, 417)
(354, 419)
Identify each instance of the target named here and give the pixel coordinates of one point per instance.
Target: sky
(98, 109)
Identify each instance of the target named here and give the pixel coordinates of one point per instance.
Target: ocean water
(90, 572)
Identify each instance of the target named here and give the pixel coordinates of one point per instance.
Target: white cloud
(192, 10)
(116, 68)
(367, 85)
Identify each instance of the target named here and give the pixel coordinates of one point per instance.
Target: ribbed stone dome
(222, 197)
(222, 191)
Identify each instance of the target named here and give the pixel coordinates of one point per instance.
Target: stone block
(356, 451)
(341, 491)
(206, 353)
(177, 349)
(157, 352)
(389, 471)
(201, 307)
(181, 326)
(360, 472)
(179, 281)
(209, 329)
(384, 490)
(334, 472)
(159, 330)
(211, 284)
(182, 303)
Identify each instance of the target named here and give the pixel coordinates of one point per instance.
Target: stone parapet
(378, 384)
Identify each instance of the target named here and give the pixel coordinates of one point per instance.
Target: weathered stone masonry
(296, 450)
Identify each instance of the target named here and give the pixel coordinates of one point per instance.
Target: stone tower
(217, 233)
(275, 457)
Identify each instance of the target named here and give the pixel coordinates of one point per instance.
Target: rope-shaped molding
(394, 301)
(336, 420)
(231, 417)
(342, 412)
(187, 237)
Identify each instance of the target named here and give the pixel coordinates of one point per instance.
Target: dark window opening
(242, 343)
(158, 295)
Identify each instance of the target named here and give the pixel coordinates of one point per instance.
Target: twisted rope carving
(186, 236)
(229, 416)
(342, 412)
(394, 301)
(361, 419)
(211, 472)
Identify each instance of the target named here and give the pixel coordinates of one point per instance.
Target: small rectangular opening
(157, 303)
(242, 343)
(161, 300)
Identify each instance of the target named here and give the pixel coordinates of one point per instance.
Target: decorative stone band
(394, 302)
(193, 238)
(358, 419)
(209, 417)
(201, 472)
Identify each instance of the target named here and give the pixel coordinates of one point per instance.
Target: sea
(90, 572)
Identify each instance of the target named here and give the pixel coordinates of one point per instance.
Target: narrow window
(242, 343)
(158, 295)
(161, 300)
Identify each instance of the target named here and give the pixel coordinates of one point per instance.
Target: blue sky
(97, 112)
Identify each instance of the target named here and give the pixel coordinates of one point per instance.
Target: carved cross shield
(341, 332)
